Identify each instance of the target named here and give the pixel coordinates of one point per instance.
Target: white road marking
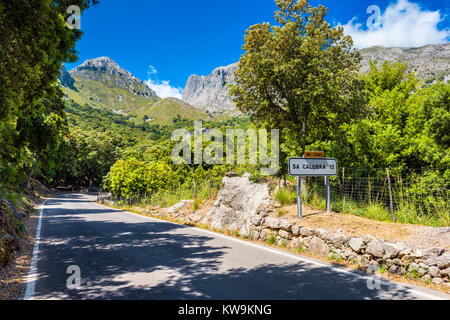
(32, 276)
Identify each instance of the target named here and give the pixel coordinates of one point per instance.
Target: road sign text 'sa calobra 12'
(313, 167)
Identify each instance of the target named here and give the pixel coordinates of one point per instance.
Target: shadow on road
(156, 260)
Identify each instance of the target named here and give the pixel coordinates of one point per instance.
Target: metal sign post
(313, 167)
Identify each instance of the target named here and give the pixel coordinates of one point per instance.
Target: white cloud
(163, 88)
(403, 24)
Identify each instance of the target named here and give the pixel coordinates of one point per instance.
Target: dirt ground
(13, 277)
(419, 236)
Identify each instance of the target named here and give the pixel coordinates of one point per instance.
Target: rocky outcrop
(210, 93)
(240, 205)
(66, 79)
(106, 70)
(430, 62)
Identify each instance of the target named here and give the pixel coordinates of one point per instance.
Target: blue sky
(179, 38)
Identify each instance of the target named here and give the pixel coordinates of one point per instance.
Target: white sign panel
(313, 167)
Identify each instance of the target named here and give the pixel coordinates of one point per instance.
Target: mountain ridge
(430, 63)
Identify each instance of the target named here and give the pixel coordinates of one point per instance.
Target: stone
(421, 272)
(319, 247)
(285, 225)
(337, 240)
(272, 223)
(295, 243)
(434, 272)
(431, 262)
(237, 203)
(375, 248)
(413, 266)
(416, 253)
(426, 278)
(265, 234)
(307, 241)
(307, 232)
(404, 252)
(444, 261)
(445, 272)
(389, 263)
(367, 238)
(392, 250)
(210, 93)
(357, 244)
(394, 269)
(256, 220)
(296, 230)
(432, 253)
(322, 234)
(284, 234)
(398, 262)
(437, 281)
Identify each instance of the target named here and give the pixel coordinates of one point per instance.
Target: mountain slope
(430, 63)
(103, 84)
(164, 111)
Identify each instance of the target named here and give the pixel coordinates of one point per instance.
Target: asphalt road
(121, 255)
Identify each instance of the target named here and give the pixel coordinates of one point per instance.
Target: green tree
(300, 75)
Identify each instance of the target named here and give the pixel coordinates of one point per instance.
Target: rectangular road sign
(313, 167)
(314, 154)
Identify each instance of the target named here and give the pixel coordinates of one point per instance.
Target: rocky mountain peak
(107, 71)
(210, 92)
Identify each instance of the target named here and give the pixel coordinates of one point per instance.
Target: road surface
(122, 255)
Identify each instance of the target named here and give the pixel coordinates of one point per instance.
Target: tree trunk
(27, 184)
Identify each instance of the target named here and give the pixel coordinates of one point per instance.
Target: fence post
(164, 203)
(343, 190)
(390, 195)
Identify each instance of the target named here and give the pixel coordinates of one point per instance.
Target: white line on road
(32, 276)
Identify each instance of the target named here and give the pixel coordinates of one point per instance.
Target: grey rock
(285, 225)
(432, 253)
(307, 232)
(319, 247)
(375, 248)
(434, 272)
(210, 93)
(357, 244)
(421, 272)
(284, 234)
(445, 272)
(272, 223)
(394, 269)
(444, 261)
(296, 230)
(337, 239)
(392, 250)
(437, 281)
(322, 234)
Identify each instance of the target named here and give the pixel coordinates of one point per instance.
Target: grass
(281, 212)
(272, 239)
(286, 196)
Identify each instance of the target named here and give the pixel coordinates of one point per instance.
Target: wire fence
(164, 198)
(423, 191)
(409, 195)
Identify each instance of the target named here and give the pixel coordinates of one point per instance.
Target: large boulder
(237, 204)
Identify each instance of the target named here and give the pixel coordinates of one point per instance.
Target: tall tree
(300, 75)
